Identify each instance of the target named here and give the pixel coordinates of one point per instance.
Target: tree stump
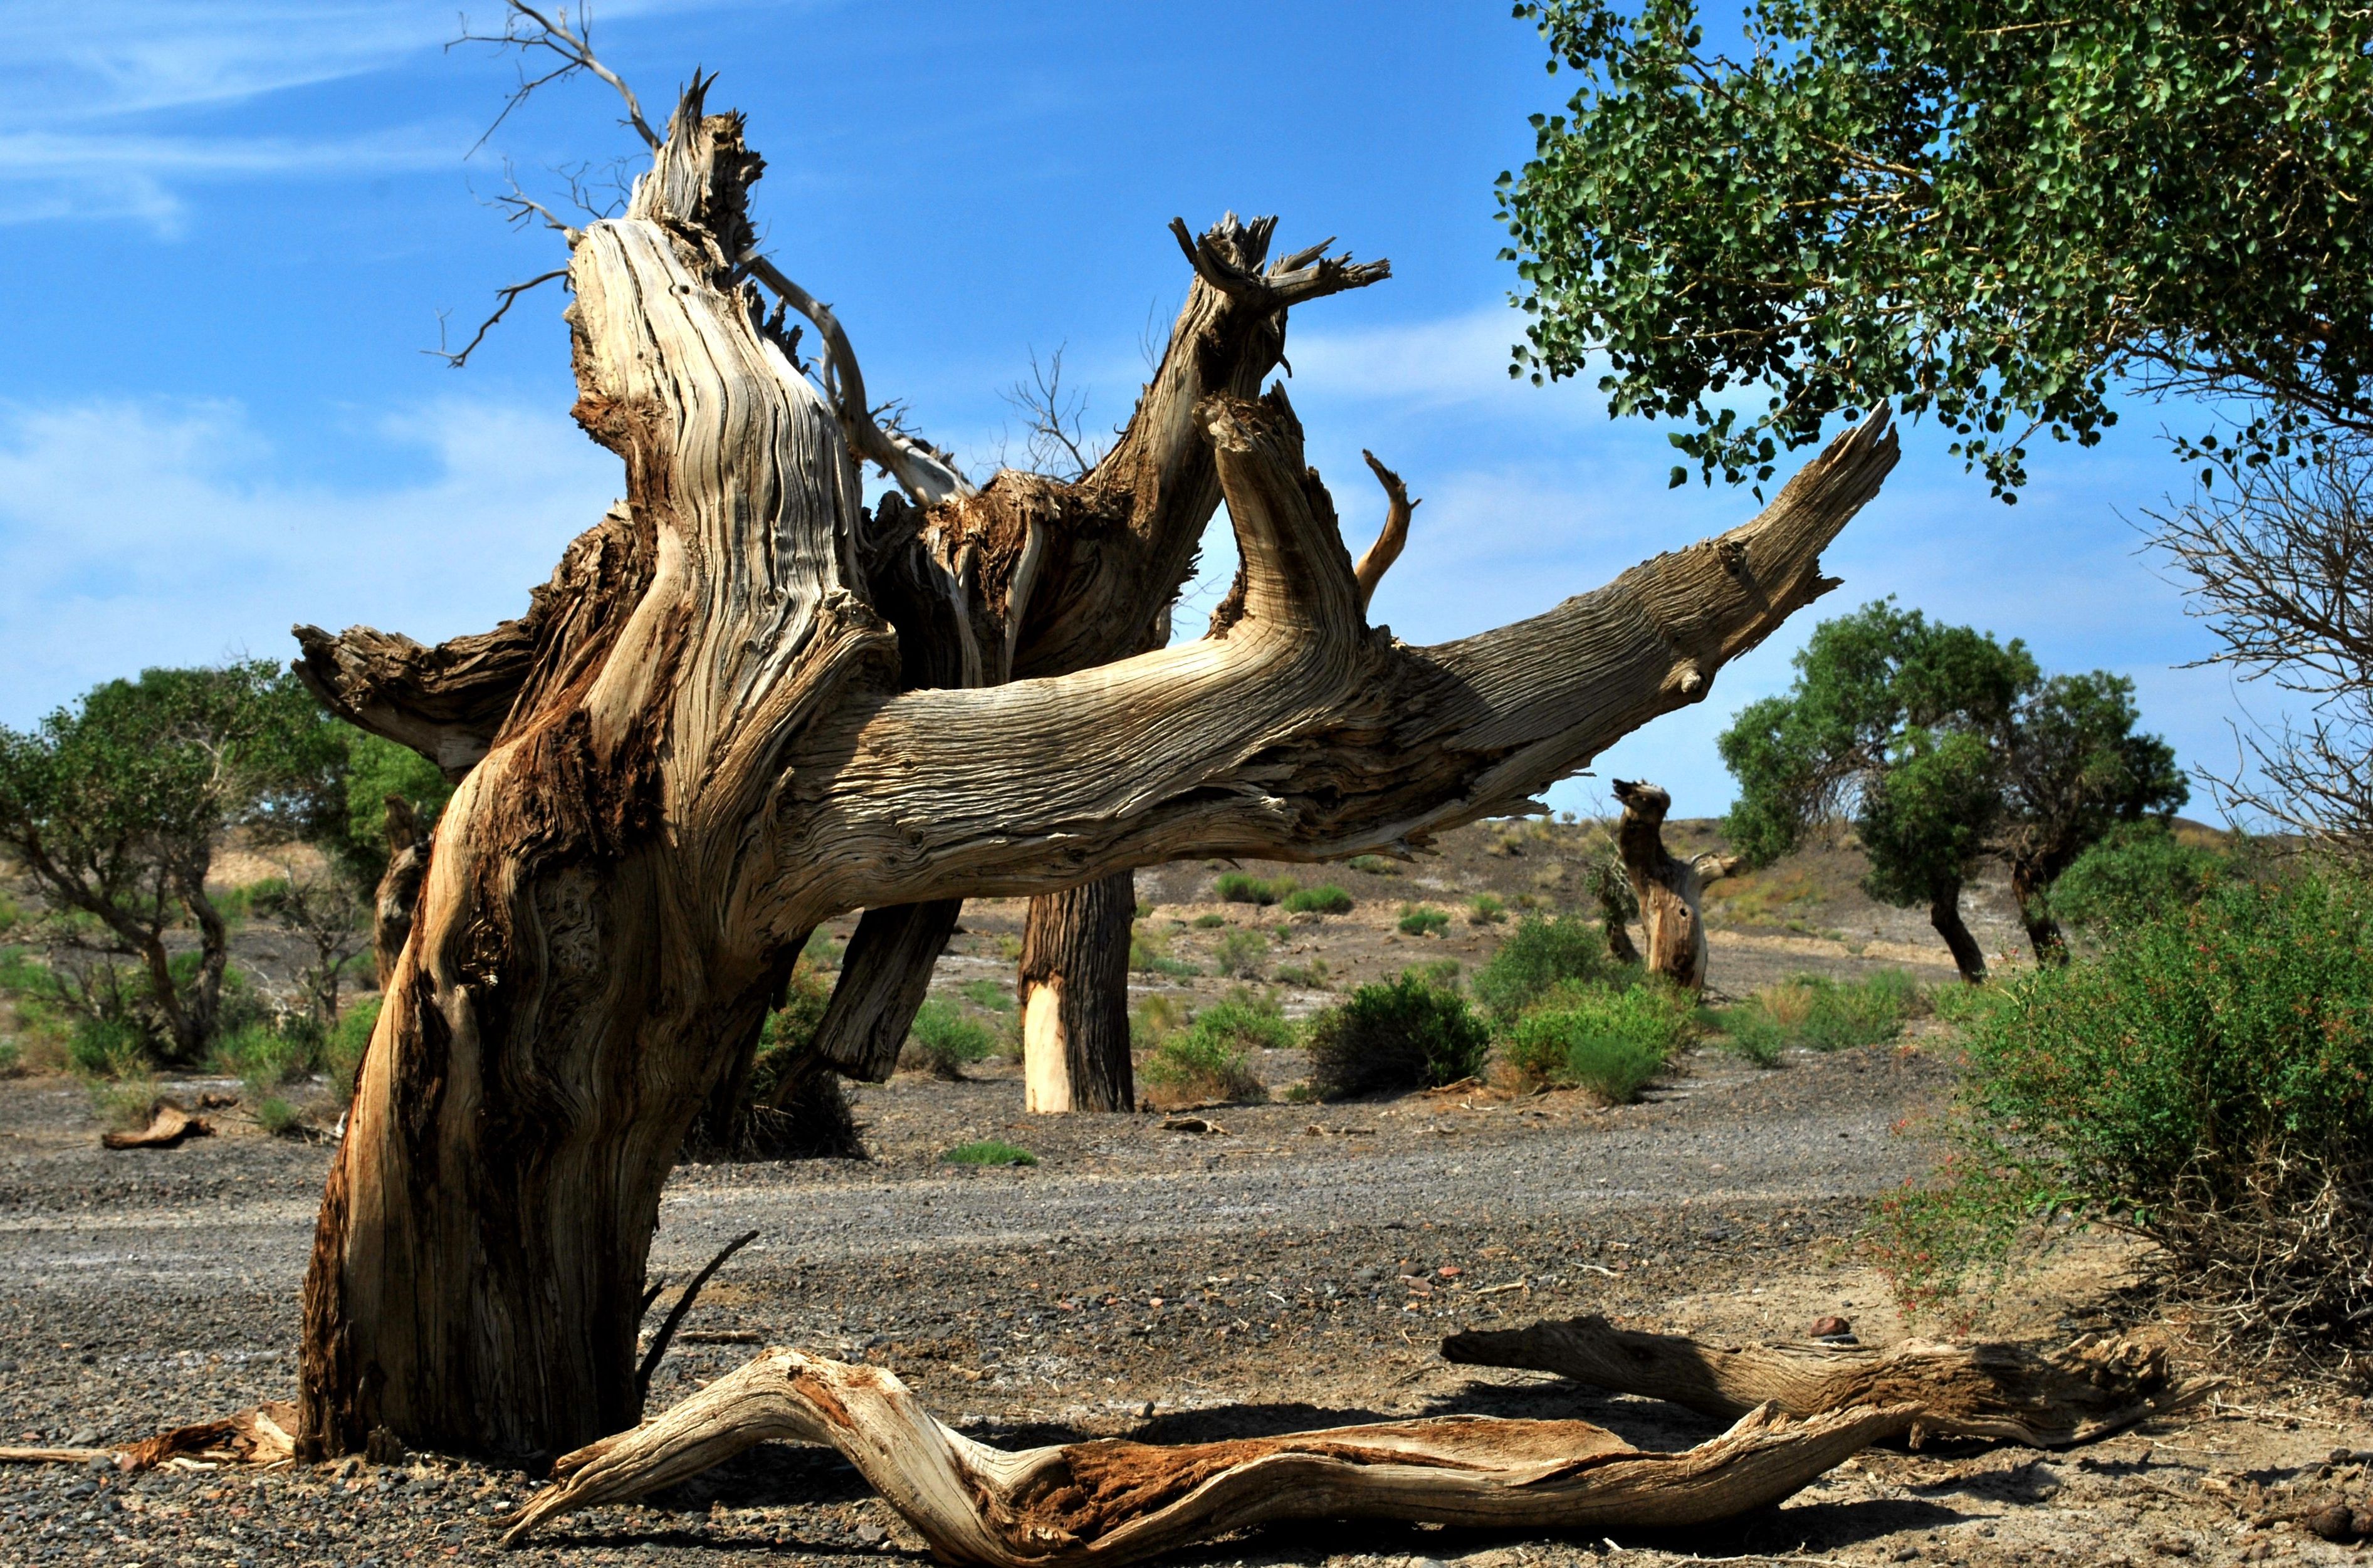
(1668, 888)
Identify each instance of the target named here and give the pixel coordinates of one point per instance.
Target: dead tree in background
(744, 704)
(1668, 888)
(2280, 559)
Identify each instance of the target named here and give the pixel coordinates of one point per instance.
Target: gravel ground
(1294, 1269)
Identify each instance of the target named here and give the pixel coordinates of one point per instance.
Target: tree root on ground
(2092, 1388)
(1115, 1501)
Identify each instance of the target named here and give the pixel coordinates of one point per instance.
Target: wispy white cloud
(133, 534)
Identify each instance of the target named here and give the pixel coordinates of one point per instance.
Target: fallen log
(168, 1127)
(262, 1435)
(1115, 1501)
(2092, 1388)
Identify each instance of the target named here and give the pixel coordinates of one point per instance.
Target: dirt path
(1137, 1280)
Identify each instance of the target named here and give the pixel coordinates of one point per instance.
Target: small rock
(1449, 1271)
(1832, 1328)
(84, 1438)
(2171, 1546)
(2333, 1522)
(871, 1534)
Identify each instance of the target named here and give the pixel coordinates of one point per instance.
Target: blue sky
(229, 228)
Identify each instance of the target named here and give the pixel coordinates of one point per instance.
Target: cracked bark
(1668, 888)
(716, 742)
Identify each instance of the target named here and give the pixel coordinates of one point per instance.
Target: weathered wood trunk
(1074, 991)
(1945, 914)
(399, 887)
(1668, 888)
(730, 716)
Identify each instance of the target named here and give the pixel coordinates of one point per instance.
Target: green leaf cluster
(1990, 210)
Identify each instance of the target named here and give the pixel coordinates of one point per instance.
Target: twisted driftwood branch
(2092, 1388)
(1114, 1501)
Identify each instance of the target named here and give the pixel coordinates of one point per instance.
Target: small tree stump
(1668, 888)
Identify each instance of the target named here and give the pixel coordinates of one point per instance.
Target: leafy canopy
(1992, 209)
(1943, 745)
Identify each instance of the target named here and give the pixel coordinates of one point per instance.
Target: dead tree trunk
(1945, 914)
(1074, 990)
(399, 888)
(715, 738)
(1668, 888)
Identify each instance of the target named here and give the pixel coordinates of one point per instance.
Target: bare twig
(526, 29)
(1307, 273)
(508, 294)
(1057, 434)
(683, 1304)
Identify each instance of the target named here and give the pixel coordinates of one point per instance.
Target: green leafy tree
(2074, 769)
(1994, 210)
(113, 808)
(1944, 747)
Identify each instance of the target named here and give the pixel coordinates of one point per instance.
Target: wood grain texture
(1668, 887)
(1121, 1501)
(2093, 1386)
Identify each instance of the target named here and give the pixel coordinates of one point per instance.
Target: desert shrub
(1441, 974)
(1240, 954)
(990, 1152)
(1325, 899)
(12, 914)
(264, 1057)
(276, 1116)
(987, 995)
(822, 952)
(342, 1049)
(2135, 874)
(124, 1104)
(1148, 953)
(1209, 1059)
(1372, 865)
(2207, 1081)
(1811, 1013)
(1966, 1004)
(943, 1042)
(1486, 909)
(1418, 920)
(1402, 1034)
(1210, 922)
(1243, 887)
(1310, 976)
(1538, 954)
(1155, 1020)
(1612, 1040)
(12, 1057)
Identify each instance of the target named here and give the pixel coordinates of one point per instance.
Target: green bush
(1372, 865)
(1148, 953)
(1402, 1034)
(2207, 1081)
(1811, 1013)
(1607, 1039)
(1211, 1059)
(12, 1057)
(1243, 887)
(1486, 909)
(988, 995)
(1210, 922)
(1417, 920)
(1240, 954)
(1310, 976)
(943, 1042)
(1537, 955)
(263, 1058)
(990, 1152)
(342, 1051)
(126, 1104)
(1325, 899)
(2138, 873)
(276, 1116)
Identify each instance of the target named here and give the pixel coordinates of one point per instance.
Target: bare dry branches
(509, 296)
(1307, 273)
(2280, 563)
(1059, 439)
(528, 30)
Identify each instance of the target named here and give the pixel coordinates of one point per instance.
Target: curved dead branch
(1394, 537)
(1301, 733)
(1115, 1501)
(2094, 1387)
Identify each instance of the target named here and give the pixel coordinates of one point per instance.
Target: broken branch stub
(2092, 1388)
(1116, 1501)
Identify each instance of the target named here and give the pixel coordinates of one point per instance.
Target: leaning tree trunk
(1074, 990)
(1668, 888)
(2031, 892)
(717, 738)
(1945, 914)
